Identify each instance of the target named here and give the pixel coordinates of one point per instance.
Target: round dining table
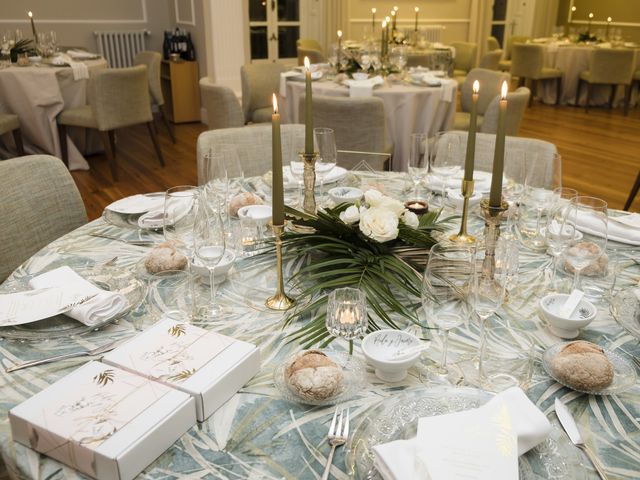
(257, 433)
(37, 94)
(408, 109)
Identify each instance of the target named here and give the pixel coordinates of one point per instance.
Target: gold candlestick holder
(309, 177)
(493, 216)
(279, 301)
(462, 236)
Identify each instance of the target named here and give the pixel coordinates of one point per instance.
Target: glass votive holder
(347, 313)
(172, 294)
(506, 359)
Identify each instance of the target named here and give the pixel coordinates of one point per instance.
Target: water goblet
(557, 232)
(328, 154)
(418, 160)
(445, 158)
(180, 210)
(515, 169)
(347, 313)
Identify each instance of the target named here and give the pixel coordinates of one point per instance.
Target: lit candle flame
(609, 19)
(503, 95)
(573, 9)
(373, 10)
(476, 86)
(393, 13)
(591, 15)
(384, 24)
(417, 9)
(307, 64)
(339, 33)
(30, 13)
(387, 19)
(395, 8)
(275, 104)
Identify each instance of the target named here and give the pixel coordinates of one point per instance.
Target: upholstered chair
(259, 81)
(118, 98)
(516, 105)
(505, 63)
(222, 105)
(466, 53)
(11, 123)
(40, 202)
(609, 66)
(308, 47)
(527, 63)
(492, 44)
(491, 60)
(153, 60)
(418, 60)
(358, 123)
(253, 144)
(490, 85)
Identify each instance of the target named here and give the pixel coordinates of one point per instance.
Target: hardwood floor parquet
(600, 152)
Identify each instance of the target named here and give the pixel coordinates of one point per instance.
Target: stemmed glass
(515, 168)
(591, 212)
(347, 313)
(216, 187)
(328, 154)
(445, 158)
(557, 232)
(418, 160)
(180, 210)
(445, 291)
(209, 246)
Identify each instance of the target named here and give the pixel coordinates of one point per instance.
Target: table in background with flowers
(257, 434)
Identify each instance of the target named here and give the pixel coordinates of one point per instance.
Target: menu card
(33, 305)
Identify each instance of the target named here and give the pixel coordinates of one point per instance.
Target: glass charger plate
(624, 373)
(397, 417)
(625, 308)
(112, 279)
(353, 369)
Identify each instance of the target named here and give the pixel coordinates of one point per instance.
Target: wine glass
(445, 291)
(328, 154)
(232, 167)
(446, 158)
(209, 246)
(216, 187)
(347, 313)
(591, 212)
(507, 263)
(557, 232)
(180, 210)
(418, 160)
(515, 171)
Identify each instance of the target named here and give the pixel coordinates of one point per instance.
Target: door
(520, 15)
(274, 28)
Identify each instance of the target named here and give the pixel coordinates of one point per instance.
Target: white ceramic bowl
(564, 327)
(345, 194)
(379, 348)
(261, 214)
(360, 76)
(219, 272)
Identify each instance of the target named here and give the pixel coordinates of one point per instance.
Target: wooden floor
(600, 152)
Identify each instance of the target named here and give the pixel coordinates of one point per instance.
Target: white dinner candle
(33, 26)
(308, 109)
(495, 197)
(373, 19)
(417, 9)
(471, 138)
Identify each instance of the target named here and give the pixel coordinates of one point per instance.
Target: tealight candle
(418, 207)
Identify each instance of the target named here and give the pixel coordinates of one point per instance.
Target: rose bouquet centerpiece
(377, 246)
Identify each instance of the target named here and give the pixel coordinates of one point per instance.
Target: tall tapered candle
(608, 24)
(495, 196)
(393, 20)
(308, 109)
(33, 27)
(339, 55)
(383, 37)
(373, 19)
(277, 187)
(589, 23)
(386, 37)
(417, 9)
(471, 138)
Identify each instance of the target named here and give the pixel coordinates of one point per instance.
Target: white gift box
(103, 421)
(207, 365)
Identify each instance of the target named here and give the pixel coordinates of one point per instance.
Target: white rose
(379, 224)
(350, 215)
(373, 197)
(410, 219)
(376, 199)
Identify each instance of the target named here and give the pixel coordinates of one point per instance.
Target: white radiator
(120, 48)
(432, 33)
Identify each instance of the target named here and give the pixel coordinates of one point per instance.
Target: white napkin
(482, 182)
(99, 309)
(283, 81)
(396, 460)
(619, 229)
(449, 89)
(81, 54)
(155, 218)
(363, 88)
(79, 69)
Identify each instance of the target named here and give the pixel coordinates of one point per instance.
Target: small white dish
(381, 348)
(566, 327)
(261, 214)
(345, 194)
(359, 76)
(219, 272)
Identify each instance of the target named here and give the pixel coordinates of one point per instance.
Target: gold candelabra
(462, 236)
(279, 301)
(309, 177)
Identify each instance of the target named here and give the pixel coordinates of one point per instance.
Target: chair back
(259, 81)
(222, 105)
(492, 44)
(491, 60)
(419, 60)
(611, 65)
(315, 56)
(119, 97)
(490, 84)
(511, 41)
(466, 53)
(516, 106)
(527, 60)
(253, 143)
(152, 60)
(39, 203)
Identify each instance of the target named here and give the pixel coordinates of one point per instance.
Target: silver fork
(338, 434)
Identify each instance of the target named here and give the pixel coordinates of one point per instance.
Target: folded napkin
(624, 229)
(81, 54)
(155, 218)
(449, 89)
(79, 69)
(398, 460)
(482, 182)
(104, 306)
(363, 88)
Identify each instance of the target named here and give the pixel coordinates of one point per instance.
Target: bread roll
(314, 376)
(165, 257)
(583, 366)
(242, 200)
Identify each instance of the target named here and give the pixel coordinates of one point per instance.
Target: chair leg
(17, 137)
(627, 99)
(112, 142)
(106, 141)
(634, 192)
(156, 145)
(612, 97)
(577, 99)
(558, 90)
(534, 88)
(165, 119)
(62, 135)
(589, 90)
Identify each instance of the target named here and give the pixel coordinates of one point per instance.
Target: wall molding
(429, 21)
(604, 24)
(143, 4)
(192, 21)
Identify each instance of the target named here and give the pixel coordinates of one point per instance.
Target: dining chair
(608, 66)
(11, 123)
(259, 81)
(118, 98)
(40, 202)
(517, 102)
(253, 145)
(492, 43)
(153, 60)
(632, 193)
(358, 123)
(222, 105)
(490, 85)
(308, 48)
(465, 59)
(505, 63)
(419, 60)
(491, 60)
(527, 63)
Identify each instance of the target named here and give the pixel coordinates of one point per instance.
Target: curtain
(336, 19)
